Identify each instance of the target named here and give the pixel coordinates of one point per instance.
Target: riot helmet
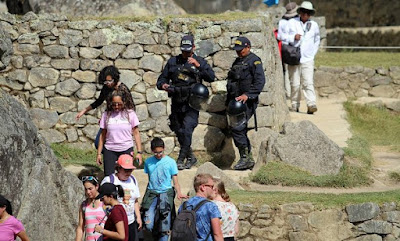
(198, 97)
(236, 113)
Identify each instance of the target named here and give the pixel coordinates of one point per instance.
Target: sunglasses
(108, 82)
(89, 178)
(117, 104)
(207, 185)
(158, 153)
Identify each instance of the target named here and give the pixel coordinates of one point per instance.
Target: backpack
(184, 227)
(112, 178)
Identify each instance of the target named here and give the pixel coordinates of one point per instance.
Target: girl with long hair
(10, 227)
(118, 124)
(116, 226)
(109, 77)
(91, 211)
(229, 212)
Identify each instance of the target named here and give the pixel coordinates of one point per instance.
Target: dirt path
(330, 118)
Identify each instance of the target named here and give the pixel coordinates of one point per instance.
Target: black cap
(241, 43)
(187, 43)
(107, 189)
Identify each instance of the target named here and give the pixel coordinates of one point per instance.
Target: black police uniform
(183, 119)
(245, 77)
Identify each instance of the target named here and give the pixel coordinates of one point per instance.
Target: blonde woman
(229, 212)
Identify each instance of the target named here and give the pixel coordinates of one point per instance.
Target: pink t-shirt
(10, 228)
(119, 129)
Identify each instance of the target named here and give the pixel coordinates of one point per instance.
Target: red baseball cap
(126, 161)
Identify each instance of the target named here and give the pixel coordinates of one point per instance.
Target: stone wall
(357, 81)
(54, 68)
(303, 221)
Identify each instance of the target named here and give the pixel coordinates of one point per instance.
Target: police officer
(179, 75)
(246, 79)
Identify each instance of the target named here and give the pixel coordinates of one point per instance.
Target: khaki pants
(302, 73)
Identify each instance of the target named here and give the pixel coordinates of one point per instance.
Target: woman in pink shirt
(118, 124)
(10, 227)
(91, 211)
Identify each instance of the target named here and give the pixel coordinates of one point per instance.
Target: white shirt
(131, 193)
(283, 30)
(309, 40)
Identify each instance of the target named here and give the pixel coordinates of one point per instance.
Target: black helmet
(199, 97)
(236, 107)
(200, 90)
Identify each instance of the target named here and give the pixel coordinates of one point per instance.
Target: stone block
(213, 119)
(89, 53)
(243, 25)
(127, 64)
(28, 38)
(133, 51)
(157, 109)
(42, 77)
(362, 212)
(207, 138)
(302, 236)
(83, 24)
(56, 51)
(129, 78)
(206, 48)
(70, 38)
(354, 69)
(158, 49)
(72, 64)
(72, 135)
(12, 84)
(87, 91)
(67, 87)
(19, 75)
(297, 208)
(52, 136)
(61, 104)
(219, 87)
(84, 76)
(90, 131)
(379, 80)
(112, 51)
(325, 218)
(95, 65)
(376, 226)
(304, 141)
(150, 78)
(33, 61)
(154, 95)
(142, 112)
(392, 216)
(297, 222)
(216, 103)
(43, 119)
(224, 59)
(382, 91)
(214, 171)
(265, 117)
(151, 63)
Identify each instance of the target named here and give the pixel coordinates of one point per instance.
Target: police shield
(198, 97)
(236, 113)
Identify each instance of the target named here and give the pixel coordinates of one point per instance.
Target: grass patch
(227, 16)
(378, 126)
(395, 176)
(275, 173)
(320, 200)
(73, 156)
(366, 59)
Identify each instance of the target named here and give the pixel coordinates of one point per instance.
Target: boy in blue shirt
(158, 201)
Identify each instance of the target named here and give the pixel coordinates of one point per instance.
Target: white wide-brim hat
(307, 6)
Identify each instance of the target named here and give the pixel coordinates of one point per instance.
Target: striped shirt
(93, 216)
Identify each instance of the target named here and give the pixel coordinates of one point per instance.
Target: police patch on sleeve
(257, 62)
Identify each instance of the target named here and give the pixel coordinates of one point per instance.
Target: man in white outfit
(304, 33)
(283, 30)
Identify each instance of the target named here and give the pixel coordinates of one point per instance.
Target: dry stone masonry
(55, 62)
(303, 221)
(358, 81)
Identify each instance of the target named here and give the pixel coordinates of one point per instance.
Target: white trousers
(287, 82)
(304, 72)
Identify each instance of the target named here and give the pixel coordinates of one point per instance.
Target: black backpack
(184, 227)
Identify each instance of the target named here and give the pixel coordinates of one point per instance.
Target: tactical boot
(181, 159)
(246, 160)
(190, 159)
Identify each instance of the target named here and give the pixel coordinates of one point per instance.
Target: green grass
(378, 126)
(366, 59)
(275, 173)
(320, 200)
(72, 156)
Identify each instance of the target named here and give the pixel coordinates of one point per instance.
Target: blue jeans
(149, 220)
